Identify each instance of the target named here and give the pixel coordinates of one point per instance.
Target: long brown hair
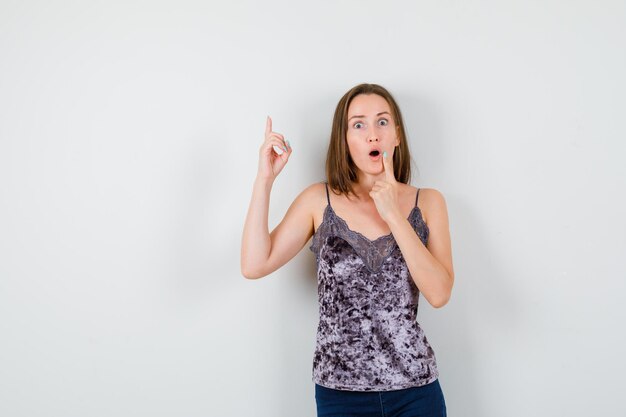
(341, 171)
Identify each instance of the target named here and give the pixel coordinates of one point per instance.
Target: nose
(373, 137)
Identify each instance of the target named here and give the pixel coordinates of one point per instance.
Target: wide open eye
(357, 125)
(383, 122)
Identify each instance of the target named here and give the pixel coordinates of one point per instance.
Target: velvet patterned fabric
(368, 337)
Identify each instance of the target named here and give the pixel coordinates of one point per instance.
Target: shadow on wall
(483, 310)
(424, 132)
(296, 328)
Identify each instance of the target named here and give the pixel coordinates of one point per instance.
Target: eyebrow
(378, 114)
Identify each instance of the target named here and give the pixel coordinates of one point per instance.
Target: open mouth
(374, 153)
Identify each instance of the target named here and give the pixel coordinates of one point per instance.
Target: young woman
(378, 243)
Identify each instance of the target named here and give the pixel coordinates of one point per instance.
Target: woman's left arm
(430, 267)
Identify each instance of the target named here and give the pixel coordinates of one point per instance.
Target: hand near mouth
(385, 193)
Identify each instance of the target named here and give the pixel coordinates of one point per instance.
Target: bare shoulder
(431, 195)
(312, 198)
(314, 195)
(432, 204)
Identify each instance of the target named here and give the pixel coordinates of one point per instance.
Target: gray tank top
(368, 338)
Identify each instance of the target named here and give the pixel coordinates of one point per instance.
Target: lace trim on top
(373, 253)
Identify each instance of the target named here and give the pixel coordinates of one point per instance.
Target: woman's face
(371, 131)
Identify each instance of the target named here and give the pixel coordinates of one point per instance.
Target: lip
(377, 157)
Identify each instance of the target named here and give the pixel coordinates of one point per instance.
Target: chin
(372, 172)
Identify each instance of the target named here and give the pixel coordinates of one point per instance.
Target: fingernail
(384, 154)
(288, 144)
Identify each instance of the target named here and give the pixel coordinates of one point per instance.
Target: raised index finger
(388, 166)
(268, 126)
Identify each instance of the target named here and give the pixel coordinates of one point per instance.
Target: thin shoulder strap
(417, 196)
(327, 196)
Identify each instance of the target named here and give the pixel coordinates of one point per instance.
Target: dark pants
(424, 401)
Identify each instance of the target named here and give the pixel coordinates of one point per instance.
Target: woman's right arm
(261, 252)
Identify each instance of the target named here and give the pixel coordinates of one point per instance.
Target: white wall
(129, 136)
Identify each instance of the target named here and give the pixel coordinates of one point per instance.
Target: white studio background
(129, 136)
